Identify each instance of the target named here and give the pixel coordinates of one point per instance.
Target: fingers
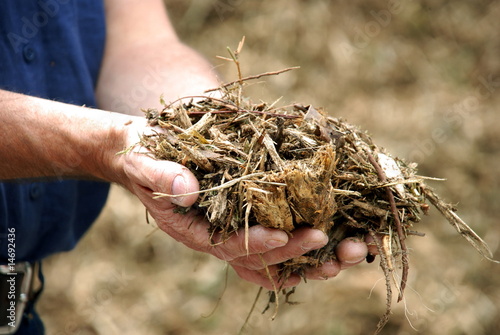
(184, 182)
(351, 251)
(260, 241)
(261, 269)
(164, 177)
(302, 241)
(372, 246)
(253, 254)
(328, 270)
(139, 170)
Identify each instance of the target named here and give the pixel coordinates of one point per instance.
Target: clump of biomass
(295, 166)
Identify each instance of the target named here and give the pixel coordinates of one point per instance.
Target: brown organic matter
(294, 167)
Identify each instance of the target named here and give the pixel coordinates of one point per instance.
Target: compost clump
(296, 166)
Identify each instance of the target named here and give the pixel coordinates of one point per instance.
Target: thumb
(163, 177)
(183, 183)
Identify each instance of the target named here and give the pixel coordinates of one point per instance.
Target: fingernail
(272, 243)
(315, 244)
(311, 245)
(178, 187)
(355, 261)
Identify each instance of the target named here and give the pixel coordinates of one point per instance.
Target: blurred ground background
(422, 77)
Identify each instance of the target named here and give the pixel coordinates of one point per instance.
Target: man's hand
(144, 175)
(77, 142)
(136, 29)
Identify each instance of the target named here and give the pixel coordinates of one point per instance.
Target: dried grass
(295, 166)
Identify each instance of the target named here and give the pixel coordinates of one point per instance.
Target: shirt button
(35, 192)
(29, 54)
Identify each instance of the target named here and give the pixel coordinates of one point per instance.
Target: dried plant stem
(247, 226)
(252, 77)
(251, 311)
(399, 227)
(226, 279)
(275, 289)
(220, 187)
(387, 275)
(462, 228)
(285, 116)
(284, 168)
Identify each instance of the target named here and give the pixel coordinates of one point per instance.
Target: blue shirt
(50, 49)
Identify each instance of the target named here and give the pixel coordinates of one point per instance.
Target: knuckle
(249, 262)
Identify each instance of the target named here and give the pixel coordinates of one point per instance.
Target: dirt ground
(422, 77)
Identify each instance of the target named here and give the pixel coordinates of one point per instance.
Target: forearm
(43, 138)
(144, 59)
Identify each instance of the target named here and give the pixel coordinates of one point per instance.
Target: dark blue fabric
(50, 49)
(31, 324)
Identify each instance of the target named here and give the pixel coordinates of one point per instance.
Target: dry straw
(295, 166)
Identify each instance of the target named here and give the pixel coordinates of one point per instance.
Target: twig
(192, 97)
(226, 279)
(247, 225)
(251, 311)
(385, 268)
(462, 228)
(351, 221)
(399, 226)
(415, 233)
(252, 77)
(225, 185)
(285, 116)
(275, 289)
